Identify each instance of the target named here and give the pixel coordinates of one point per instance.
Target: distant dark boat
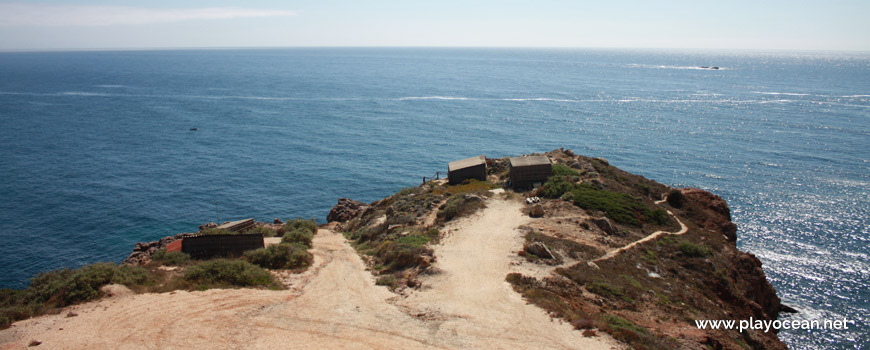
(706, 67)
(193, 129)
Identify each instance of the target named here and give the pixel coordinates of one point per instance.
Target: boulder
(278, 221)
(345, 210)
(537, 211)
(540, 250)
(604, 224)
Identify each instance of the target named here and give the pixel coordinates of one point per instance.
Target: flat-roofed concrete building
(469, 168)
(529, 171)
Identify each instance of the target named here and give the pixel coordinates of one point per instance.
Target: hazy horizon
(682, 25)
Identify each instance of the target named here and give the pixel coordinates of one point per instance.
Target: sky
(737, 24)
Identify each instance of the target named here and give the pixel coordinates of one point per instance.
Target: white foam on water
(779, 93)
(412, 98)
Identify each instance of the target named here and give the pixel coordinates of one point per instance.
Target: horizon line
(219, 48)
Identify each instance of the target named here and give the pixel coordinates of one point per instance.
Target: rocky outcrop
(711, 210)
(604, 224)
(537, 211)
(143, 251)
(346, 209)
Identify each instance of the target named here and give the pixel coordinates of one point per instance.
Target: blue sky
(766, 25)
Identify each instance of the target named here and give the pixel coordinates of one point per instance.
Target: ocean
(98, 151)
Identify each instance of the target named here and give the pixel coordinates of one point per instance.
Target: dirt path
(333, 305)
(469, 300)
(683, 229)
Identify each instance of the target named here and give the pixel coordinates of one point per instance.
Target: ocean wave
(539, 99)
(855, 96)
(83, 93)
(653, 66)
(779, 93)
(448, 98)
(111, 86)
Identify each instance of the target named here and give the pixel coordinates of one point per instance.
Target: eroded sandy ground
(335, 304)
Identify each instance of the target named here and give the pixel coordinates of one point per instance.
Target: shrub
(388, 280)
(675, 198)
(309, 225)
(555, 187)
(659, 216)
(619, 323)
(163, 257)
(223, 272)
(263, 230)
(280, 256)
(400, 255)
(414, 240)
(693, 250)
(298, 235)
(66, 287)
(604, 289)
(459, 205)
(564, 170)
(620, 207)
(12, 306)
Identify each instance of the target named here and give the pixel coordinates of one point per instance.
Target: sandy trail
(470, 301)
(683, 229)
(333, 305)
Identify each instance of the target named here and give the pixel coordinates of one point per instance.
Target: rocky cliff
(624, 254)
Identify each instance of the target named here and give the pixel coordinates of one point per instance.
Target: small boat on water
(194, 129)
(706, 67)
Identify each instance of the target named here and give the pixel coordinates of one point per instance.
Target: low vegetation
(281, 256)
(228, 273)
(693, 250)
(51, 290)
(162, 257)
(460, 205)
(265, 231)
(309, 225)
(620, 207)
(564, 170)
(64, 287)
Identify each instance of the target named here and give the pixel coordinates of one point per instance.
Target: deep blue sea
(96, 151)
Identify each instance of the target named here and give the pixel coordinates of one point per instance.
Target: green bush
(13, 306)
(659, 217)
(280, 256)
(163, 257)
(605, 289)
(414, 240)
(555, 187)
(400, 255)
(458, 205)
(619, 323)
(65, 287)
(388, 280)
(620, 207)
(222, 272)
(298, 235)
(309, 225)
(564, 170)
(263, 230)
(693, 250)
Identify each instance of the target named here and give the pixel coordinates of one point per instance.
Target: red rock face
(345, 210)
(715, 209)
